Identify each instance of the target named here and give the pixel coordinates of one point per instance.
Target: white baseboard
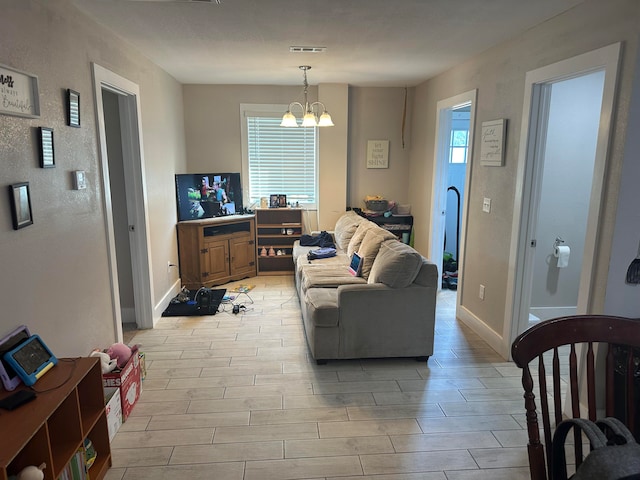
(494, 340)
(164, 301)
(545, 313)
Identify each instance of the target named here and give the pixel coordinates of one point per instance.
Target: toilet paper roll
(562, 253)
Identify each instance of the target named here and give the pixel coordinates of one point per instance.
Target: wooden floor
(233, 397)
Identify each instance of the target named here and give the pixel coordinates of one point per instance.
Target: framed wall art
(378, 154)
(73, 108)
(18, 93)
(492, 143)
(20, 205)
(47, 157)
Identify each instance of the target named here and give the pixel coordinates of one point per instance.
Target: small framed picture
(282, 201)
(20, 205)
(273, 201)
(47, 158)
(73, 108)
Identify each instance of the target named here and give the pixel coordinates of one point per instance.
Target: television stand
(215, 251)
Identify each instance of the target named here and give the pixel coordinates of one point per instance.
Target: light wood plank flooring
(237, 397)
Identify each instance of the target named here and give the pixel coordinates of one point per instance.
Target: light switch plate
(486, 205)
(79, 180)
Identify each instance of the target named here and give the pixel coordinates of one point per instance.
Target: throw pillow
(370, 245)
(345, 228)
(396, 265)
(356, 239)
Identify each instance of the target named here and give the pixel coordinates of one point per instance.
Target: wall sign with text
(18, 93)
(378, 154)
(492, 143)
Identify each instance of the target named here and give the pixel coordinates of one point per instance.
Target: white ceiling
(369, 42)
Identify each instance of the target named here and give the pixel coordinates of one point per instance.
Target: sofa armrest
(394, 321)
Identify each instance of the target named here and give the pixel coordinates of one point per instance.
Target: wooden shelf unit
(51, 428)
(270, 224)
(216, 250)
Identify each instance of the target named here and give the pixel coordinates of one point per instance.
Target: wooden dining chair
(551, 340)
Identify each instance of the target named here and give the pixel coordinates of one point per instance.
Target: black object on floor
(190, 308)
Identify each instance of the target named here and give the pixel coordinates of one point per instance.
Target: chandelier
(310, 118)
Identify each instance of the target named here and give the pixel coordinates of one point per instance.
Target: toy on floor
(106, 363)
(119, 352)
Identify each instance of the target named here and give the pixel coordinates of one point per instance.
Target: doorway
(124, 198)
(560, 225)
(453, 153)
(565, 135)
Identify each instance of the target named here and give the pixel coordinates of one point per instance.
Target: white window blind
(280, 160)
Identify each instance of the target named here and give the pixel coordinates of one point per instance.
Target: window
(278, 160)
(459, 146)
(459, 141)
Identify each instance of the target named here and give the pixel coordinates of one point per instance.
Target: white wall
(574, 119)
(55, 276)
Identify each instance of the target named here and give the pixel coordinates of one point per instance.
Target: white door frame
(130, 119)
(439, 189)
(520, 262)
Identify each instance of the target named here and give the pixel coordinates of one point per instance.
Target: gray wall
(499, 75)
(55, 276)
(623, 298)
(212, 123)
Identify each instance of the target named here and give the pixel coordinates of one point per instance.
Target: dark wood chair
(618, 336)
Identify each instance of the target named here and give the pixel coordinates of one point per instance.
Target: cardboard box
(114, 410)
(127, 380)
(143, 365)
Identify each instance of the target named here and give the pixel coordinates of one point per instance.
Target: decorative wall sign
(378, 154)
(47, 158)
(492, 143)
(73, 108)
(18, 93)
(20, 205)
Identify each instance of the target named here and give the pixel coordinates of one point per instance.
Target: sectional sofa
(388, 311)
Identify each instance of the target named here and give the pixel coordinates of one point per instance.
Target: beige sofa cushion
(329, 276)
(345, 228)
(322, 304)
(370, 245)
(358, 236)
(396, 265)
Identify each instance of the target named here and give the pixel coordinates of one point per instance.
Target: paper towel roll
(562, 253)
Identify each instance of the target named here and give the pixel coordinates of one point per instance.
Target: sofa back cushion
(396, 265)
(370, 246)
(358, 236)
(345, 228)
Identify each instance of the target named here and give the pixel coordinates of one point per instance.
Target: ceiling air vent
(307, 49)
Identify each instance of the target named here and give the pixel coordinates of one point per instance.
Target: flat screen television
(207, 195)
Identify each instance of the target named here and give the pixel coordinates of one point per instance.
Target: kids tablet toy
(10, 379)
(31, 359)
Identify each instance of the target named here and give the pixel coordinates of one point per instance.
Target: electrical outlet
(481, 292)
(486, 205)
